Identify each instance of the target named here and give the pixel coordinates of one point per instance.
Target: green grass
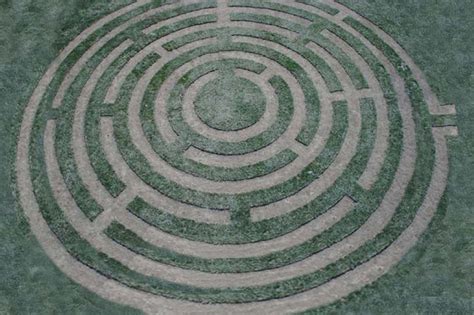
(433, 278)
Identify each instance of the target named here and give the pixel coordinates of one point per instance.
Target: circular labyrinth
(231, 156)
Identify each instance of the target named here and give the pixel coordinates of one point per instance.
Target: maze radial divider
(139, 197)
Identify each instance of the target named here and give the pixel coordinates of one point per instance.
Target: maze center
(231, 156)
(230, 103)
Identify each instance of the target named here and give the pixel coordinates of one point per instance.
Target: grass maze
(231, 156)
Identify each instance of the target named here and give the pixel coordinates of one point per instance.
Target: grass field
(435, 277)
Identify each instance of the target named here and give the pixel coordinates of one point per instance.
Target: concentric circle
(231, 156)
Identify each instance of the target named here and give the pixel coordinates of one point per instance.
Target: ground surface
(257, 123)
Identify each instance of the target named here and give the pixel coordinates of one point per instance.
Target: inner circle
(230, 103)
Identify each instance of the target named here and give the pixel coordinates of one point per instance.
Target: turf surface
(432, 278)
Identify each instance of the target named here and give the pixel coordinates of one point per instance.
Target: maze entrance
(231, 155)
